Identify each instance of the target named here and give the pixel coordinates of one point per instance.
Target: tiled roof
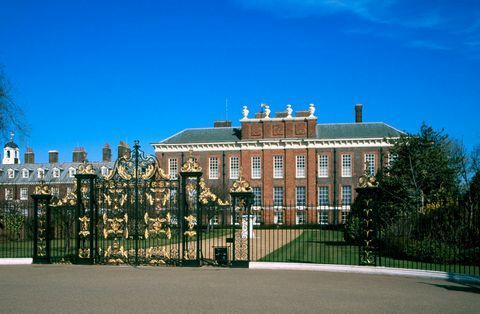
(208, 135)
(324, 131)
(356, 130)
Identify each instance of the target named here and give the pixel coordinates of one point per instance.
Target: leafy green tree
(423, 173)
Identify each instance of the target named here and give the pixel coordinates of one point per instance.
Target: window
(300, 162)
(213, 168)
(40, 173)
(278, 196)
(104, 171)
(323, 166)
(8, 154)
(257, 196)
(323, 196)
(256, 167)
(23, 194)
(323, 217)
(71, 172)
(344, 216)
(300, 219)
(56, 173)
(346, 195)
(346, 165)
(278, 167)
(11, 173)
(278, 217)
(370, 164)
(234, 166)
(8, 194)
(300, 197)
(173, 168)
(55, 191)
(25, 173)
(257, 215)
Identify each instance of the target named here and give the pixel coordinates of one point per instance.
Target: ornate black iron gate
(138, 215)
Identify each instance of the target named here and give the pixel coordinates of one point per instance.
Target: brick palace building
(290, 160)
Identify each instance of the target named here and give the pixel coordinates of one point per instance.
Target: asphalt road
(95, 289)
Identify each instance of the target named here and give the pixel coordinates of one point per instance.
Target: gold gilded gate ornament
(114, 226)
(154, 226)
(85, 168)
(191, 165)
(84, 221)
(241, 185)
(191, 224)
(42, 189)
(207, 196)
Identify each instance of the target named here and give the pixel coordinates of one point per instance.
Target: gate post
(41, 224)
(85, 218)
(242, 196)
(367, 189)
(190, 217)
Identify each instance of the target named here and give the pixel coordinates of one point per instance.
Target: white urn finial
(289, 111)
(245, 112)
(311, 109)
(267, 111)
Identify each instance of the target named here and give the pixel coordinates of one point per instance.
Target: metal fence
(445, 239)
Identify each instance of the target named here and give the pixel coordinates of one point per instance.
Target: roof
(11, 144)
(207, 135)
(356, 130)
(324, 131)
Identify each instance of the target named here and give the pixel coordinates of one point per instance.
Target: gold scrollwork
(85, 168)
(191, 165)
(157, 255)
(84, 253)
(154, 226)
(114, 226)
(42, 189)
(116, 254)
(84, 222)
(191, 224)
(207, 196)
(241, 185)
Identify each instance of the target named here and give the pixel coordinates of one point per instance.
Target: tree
(11, 115)
(423, 173)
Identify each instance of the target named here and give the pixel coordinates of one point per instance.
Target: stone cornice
(273, 144)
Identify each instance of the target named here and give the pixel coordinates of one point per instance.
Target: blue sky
(88, 73)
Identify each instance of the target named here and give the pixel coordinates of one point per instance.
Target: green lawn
(328, 247)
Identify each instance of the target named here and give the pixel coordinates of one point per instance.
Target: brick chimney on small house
(106, 153)
(79, 154)
(53, 156)
(29, 156)
(123, 149)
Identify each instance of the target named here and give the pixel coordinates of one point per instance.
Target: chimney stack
(123, 149)
(358, 113)
(106, 153)
(29, 156)
(222, 124)
(53, 156)
(79, 154)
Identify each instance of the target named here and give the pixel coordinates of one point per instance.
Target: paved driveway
(89, 289)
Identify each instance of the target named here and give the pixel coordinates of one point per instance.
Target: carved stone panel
(300, 129)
